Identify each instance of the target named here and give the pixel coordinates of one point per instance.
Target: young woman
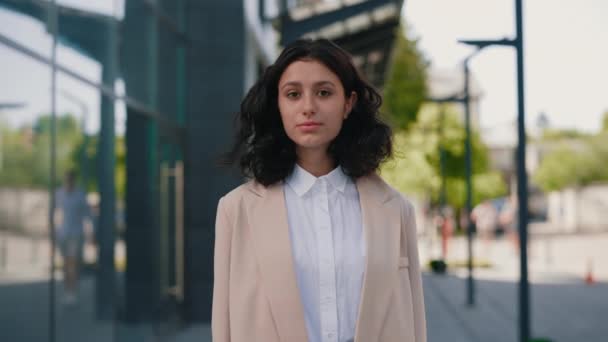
(315, 247)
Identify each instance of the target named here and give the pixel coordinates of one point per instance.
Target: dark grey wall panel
(138, 64)
(215, 64)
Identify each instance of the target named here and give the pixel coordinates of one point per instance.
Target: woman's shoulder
(383, 187)
(244, 191)
(390, 192)
(236, 193)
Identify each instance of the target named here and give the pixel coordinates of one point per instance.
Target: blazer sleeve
(415, 273)
(220, 315)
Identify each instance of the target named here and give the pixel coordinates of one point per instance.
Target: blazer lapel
(270, 232)
(381, 224)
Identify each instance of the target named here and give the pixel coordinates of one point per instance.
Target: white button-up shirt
(328, 247)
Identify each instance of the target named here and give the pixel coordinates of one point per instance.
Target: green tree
(405, 89)
(415, 167)
(605, 122)
(26, 151)
(561, 168)
(88, 147)
(552, 135)
(17, 157)
(574, 163)
(409, 170)
(26, 154)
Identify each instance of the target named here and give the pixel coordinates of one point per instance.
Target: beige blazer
(255, 293)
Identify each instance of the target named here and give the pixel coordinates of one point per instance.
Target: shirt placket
(327, 268)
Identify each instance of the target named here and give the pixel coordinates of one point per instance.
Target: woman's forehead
(308, 72)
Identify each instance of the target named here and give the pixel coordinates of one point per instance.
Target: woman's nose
(309, 105)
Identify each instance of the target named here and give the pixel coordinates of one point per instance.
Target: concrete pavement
(563, 312)
(563, 307)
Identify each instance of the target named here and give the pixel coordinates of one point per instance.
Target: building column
(139, 67)
(215, 86)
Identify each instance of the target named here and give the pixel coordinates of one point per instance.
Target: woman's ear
(351, 101)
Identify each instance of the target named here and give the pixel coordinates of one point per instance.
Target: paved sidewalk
(564, 312)
(567, 311)
(563, 307)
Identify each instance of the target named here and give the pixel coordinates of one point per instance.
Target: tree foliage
(26, 156)
(415, 168)
(84, 155)
(405, 89)
(562, 134)
(570, 164)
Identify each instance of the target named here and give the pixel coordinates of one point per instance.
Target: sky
(565, 55)
(566, 59)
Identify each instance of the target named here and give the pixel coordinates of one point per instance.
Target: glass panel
(26, 24)
(89, 145)
(78, 206)
(99, 7)
(25, 154)
(92, 295)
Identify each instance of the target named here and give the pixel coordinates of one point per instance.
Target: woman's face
(312, 104)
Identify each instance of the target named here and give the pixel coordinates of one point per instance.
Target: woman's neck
(317, 163)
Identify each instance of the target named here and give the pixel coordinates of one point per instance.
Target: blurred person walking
(72, 210)
(485, 217)
(315, 247)
(508, 220)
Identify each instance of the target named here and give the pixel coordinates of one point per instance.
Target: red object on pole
(589, 278)
(446, 232)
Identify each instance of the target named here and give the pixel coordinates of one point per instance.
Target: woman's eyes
(321, 93)
(293, 94)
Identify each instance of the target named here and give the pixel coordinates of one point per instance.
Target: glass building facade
(136, 98)
(105, 90)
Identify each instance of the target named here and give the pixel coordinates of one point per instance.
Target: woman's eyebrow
(322, 83)
(298, 84)
(291, 83)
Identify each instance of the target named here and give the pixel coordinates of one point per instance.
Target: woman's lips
(309, 126)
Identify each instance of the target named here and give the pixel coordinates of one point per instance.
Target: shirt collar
(301, 181)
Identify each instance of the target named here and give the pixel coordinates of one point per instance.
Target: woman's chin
(310, 145)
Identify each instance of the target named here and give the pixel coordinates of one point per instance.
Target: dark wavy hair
(263, 149)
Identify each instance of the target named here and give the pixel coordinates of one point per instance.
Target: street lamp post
(443, 189)
(469, 181)
(468, 174)
(522, 177)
